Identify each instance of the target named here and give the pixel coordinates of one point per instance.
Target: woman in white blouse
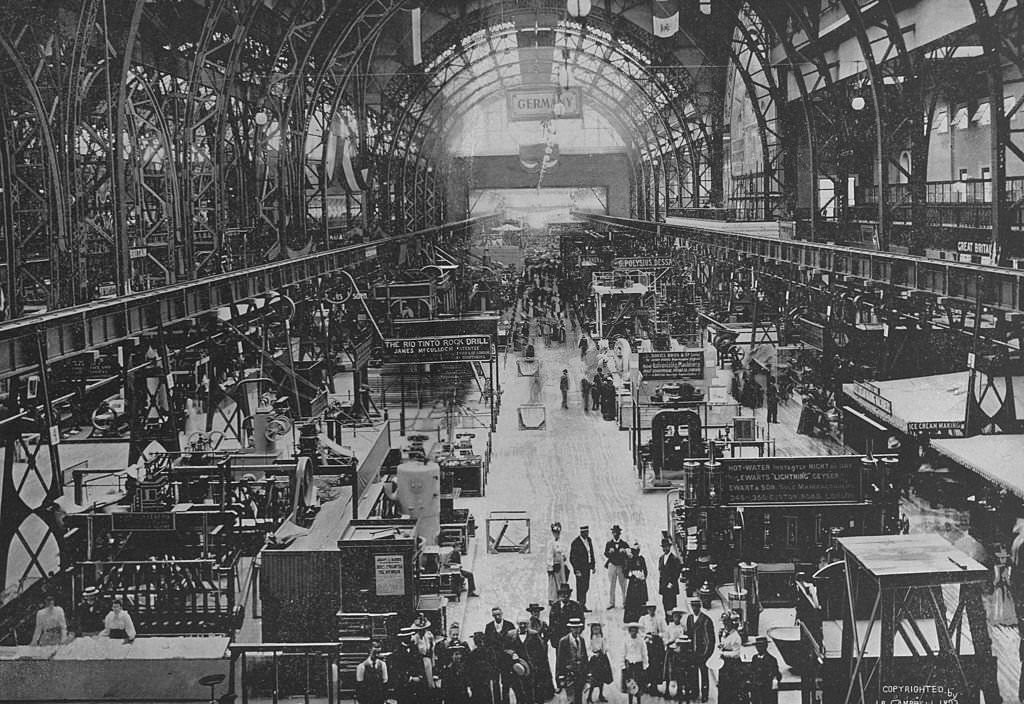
(730, 644)
(51, 624)
(118, 624)
(558, 562)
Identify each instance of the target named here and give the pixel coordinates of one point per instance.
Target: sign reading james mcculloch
(447, 348)
(540, 103)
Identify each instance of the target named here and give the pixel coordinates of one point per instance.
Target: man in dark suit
(669, 569)
(571, 661)
(495, 633)
(561, 612)
(516, 648)
(581, 557)
(616, 551)
(701, 630)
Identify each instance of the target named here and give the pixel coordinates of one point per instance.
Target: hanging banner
(665, 15)
(349, 168)
(417, 36)
(542, 103)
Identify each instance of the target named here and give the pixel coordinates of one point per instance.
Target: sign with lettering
(969, 247)
(683, 365)
(362, 350)
(792, 480)
(447, 348)
(935, 427)
(141, 521)
(644, 262)
(872, 395)
(389, 575)
(542, 103)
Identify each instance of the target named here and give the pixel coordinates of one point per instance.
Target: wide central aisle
(578, 471)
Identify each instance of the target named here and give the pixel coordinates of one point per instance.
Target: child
(599, 668)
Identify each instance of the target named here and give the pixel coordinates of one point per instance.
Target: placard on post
(683, 365)
(445, 348)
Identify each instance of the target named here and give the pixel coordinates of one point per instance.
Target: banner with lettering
(666, 18)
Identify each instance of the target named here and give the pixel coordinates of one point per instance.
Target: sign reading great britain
(446, 348)
(542, 103)
(644, 262)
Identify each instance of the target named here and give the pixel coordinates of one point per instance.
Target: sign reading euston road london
(448, 348)
(682, 365)
(644, 262)
(792, 480)
(539, 103)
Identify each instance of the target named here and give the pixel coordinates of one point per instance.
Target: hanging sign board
(644, 262)
(389, 575)
(539, 103)
(792, 480)
(447, 348)
(682, 365)
(142, 521)
(935, 428)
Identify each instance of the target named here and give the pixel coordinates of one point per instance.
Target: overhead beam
(1003, 288)
(72, 331)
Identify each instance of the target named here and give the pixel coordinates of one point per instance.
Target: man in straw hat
(561, 611)
(764, 674)
(406, 668)
(90, 612)
(571, 661)
(634, 662)
(701, 630)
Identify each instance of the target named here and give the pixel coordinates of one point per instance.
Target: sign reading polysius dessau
(539, 103)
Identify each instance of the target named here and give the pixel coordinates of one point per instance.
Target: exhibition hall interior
(512, 351)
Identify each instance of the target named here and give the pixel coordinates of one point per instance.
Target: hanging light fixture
(858, 103)
(578, 8)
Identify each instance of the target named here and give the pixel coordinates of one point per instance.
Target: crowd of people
(663, 654)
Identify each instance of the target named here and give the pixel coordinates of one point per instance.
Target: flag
(534, 158)
(417, 36)
(665, 15)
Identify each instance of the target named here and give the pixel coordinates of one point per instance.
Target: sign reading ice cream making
(444, 348)
(542, 103)
(389, 575)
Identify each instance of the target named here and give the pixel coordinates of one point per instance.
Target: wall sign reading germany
(540, 103)
(682, 365)
(447, 348)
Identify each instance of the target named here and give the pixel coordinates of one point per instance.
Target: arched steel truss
(425, 127)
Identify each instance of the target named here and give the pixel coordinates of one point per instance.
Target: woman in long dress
(730, 680)
(558, 562)
(51, 624)
(636, 585)
(1001, 611)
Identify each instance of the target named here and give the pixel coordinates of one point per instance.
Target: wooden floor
(577, 471)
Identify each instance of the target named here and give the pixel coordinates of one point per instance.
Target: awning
(995, 457)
